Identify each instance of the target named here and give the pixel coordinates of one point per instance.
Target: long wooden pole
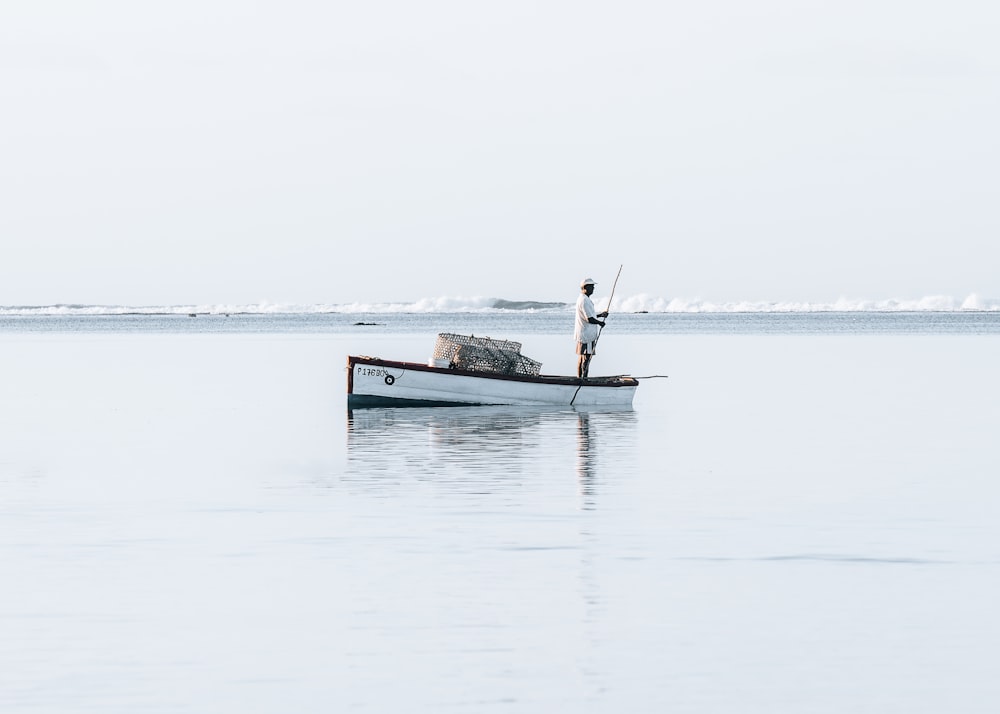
(613, 286)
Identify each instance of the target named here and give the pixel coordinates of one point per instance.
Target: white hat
(586, 282)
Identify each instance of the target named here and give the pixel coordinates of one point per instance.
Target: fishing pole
(631, 376)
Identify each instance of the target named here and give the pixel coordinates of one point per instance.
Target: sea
(800, 513)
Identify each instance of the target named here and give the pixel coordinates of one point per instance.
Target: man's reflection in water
(585, 460)
(614, 457)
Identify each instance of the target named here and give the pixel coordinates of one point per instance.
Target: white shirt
(585, 331)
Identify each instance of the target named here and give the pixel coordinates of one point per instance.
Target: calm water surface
(797, 519)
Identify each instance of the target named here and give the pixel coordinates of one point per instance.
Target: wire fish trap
(483, 354)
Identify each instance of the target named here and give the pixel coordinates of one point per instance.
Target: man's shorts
(586, 348)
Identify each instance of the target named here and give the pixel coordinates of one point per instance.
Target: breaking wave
(634, 304)
(931, 303)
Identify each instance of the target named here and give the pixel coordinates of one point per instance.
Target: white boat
(476, 371)
(374, 382)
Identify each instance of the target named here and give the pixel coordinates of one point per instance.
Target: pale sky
(230, 151)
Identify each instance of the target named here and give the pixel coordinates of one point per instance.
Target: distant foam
(634, 304)
(930, 303)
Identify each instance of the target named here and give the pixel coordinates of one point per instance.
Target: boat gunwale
(606, 382)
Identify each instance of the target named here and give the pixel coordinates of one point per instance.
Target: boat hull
(373, 382)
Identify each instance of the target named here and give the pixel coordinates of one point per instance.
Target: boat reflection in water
(482, 450)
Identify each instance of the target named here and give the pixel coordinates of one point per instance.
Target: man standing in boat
(588, 328)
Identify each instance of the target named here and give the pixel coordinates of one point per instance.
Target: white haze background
(306, 153)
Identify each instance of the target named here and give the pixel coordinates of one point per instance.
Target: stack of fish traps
(483, 354)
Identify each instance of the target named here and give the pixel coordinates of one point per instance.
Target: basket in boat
(484, 354)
